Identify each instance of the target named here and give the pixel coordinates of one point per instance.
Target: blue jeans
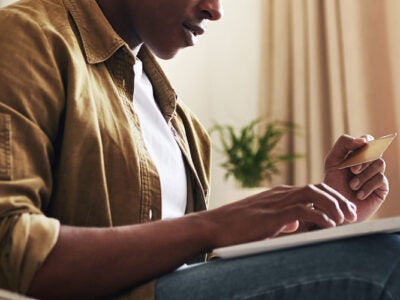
(360, 268)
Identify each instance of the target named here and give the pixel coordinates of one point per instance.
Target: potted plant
(251, 153)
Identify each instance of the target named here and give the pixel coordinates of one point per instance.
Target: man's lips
(193, 28)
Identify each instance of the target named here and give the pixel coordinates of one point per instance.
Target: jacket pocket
(5, 146)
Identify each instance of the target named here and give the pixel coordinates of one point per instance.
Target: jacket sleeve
(31, 97)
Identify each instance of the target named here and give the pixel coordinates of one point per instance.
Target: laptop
(387, 225)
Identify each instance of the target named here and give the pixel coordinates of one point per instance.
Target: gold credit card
(370, 152)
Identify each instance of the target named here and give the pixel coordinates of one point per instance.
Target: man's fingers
(327, 202)
(348, 208)
(305, 213)
(367, 137)
(378, 166)
(324, 198)
(379, 181)
(291, 227)
(341, 149)
(370, 180)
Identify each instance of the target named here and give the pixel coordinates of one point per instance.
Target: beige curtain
(333, 67)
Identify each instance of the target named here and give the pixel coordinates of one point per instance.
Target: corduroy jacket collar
(99, 39)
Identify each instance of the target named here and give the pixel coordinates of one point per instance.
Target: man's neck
(116, 15)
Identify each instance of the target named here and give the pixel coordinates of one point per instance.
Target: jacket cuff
(29, 240)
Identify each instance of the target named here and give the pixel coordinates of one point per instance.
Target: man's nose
(212, 9)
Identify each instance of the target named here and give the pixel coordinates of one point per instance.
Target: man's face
(166, 26)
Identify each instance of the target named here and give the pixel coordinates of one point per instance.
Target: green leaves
(250, 151)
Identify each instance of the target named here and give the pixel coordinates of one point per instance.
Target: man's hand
(365, 185)
(278, 210)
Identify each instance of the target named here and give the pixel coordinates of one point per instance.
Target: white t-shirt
(162, 146)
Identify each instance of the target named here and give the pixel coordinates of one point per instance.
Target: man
(94, 142)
